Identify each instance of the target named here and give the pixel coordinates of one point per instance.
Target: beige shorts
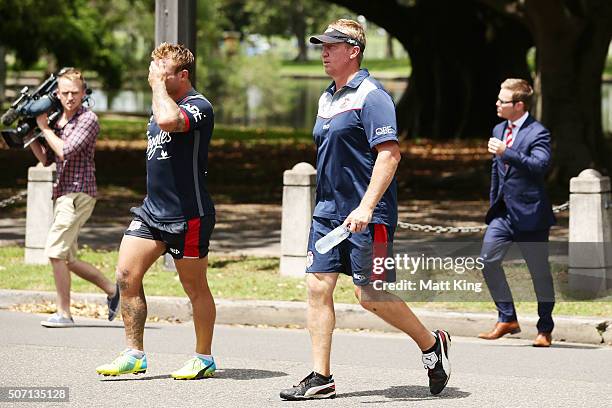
(70, 212)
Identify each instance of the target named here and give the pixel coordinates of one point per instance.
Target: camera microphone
(9, 117)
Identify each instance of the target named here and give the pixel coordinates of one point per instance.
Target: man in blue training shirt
(177, 215)
(357, 156)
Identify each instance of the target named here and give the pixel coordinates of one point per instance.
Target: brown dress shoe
(542, 340)
(501, 329)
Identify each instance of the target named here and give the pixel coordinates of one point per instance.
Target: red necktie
(510, 136)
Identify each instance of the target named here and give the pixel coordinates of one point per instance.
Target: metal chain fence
(439, 229)
(14, 199)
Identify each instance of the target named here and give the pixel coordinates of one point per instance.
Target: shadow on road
(408, 393)
(554, 345)
(247, 374)
(137, 378)
(100, 326)
(576, 346)
(228, 373)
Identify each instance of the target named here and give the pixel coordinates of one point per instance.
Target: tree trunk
(389, 51)
(454, 83)
(460, 52)
(299, 31)
(571, 55)
(302, 47)
(2, 74)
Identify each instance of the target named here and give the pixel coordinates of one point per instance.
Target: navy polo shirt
(177, 165)
(350, 122)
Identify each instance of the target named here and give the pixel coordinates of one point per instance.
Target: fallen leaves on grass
(80, 309)
(83, 309)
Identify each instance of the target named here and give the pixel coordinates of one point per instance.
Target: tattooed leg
(136, 255)
(134, 313)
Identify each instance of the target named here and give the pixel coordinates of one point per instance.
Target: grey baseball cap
(333, 36)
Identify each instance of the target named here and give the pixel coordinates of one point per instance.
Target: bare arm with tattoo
(167, 113)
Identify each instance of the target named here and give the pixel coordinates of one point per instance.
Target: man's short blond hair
(521, 91)
(71, 74)
(177, 53)
(353, 29)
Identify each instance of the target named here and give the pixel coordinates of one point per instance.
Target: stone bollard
(39, 212)
(298, 206)
(169, 263)
(590, 233)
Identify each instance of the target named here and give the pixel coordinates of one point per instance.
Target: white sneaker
(58, 320)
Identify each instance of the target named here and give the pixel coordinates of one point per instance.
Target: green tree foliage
(132, 24)
(288, 18)
(209, 39)
(234, 16)
(224, 75)
(79, 33)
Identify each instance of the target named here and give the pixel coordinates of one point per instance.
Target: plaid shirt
(76, 173)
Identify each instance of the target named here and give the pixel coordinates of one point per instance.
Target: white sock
(136, 353)
(204, 357)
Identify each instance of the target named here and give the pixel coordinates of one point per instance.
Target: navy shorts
(191, 243)
(356, 256)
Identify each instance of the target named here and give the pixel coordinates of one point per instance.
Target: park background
(441, 60)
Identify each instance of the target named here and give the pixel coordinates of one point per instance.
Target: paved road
(370, 369)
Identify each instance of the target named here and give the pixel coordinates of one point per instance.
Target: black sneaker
(315, 386)
(113, 304)
(437, 364)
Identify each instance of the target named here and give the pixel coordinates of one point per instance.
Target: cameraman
(71, 145)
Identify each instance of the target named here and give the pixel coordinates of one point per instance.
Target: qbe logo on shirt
(385, 130)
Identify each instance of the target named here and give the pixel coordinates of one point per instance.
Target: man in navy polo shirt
(357, 156)
(177, 215)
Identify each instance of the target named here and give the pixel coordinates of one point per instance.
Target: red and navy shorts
(360, 256)
(192, 243)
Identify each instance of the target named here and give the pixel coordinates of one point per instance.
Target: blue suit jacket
(520, 187)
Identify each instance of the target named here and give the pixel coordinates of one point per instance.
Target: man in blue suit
(520, 210)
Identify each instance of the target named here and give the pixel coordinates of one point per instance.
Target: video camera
(28, 106)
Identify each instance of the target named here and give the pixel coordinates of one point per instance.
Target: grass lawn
(233, 277)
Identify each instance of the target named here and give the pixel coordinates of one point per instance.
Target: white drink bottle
(333, 238)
